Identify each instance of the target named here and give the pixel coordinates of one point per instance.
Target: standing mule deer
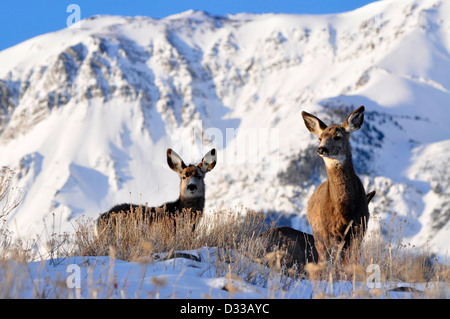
(338, 209)
(299, 247)
(192, 192)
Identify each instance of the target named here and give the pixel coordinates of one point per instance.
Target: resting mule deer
(192, 192)
(338, 209)
(299, 246)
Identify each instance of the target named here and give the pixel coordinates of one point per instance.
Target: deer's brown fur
(300, 247)
(191, 199)
(338, 209)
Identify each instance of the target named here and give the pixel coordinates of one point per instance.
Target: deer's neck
(342, 180)
(194, 203)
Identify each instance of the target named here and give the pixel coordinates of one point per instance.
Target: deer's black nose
(322, 150)
(192, 187)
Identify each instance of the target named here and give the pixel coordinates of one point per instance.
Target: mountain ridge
(88, 111)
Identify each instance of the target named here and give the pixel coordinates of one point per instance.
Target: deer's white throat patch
(333, 160)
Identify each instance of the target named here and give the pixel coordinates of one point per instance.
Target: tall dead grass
(133, 237)
(395, 261)
(241, 251)
(10, 198)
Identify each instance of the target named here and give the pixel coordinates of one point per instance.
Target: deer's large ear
(313, 124)
(175, 162)
(208, 161)
(354, 120)
(370, 196)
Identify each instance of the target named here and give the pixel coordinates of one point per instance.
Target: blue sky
(23, 19)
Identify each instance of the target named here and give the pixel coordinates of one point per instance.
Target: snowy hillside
(88, 112)
(181, 278)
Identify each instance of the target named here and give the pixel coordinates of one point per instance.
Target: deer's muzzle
(323, 151)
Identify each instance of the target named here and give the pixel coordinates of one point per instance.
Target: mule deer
(299, 246)
(338, 209)
(192, 192)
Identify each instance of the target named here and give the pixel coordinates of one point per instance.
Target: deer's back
(300, 246)
(170, 208)
(148, 215)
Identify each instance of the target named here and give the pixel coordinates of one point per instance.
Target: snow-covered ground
(182, 278)
(87, 114)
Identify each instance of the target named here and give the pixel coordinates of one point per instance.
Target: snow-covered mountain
(88, 112)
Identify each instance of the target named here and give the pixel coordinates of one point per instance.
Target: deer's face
(192, 182)
(334, 140)
(192, 176)
(334, 143)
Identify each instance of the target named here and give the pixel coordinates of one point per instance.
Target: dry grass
(237, 235)
(241, 252)
(10, 196)
(134, 239)
(395, 261)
